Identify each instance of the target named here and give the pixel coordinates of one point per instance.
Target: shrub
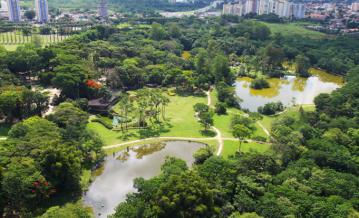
(259, 138)
(220, 108)
(202, 154)
(103, 122)
(259, 84)
(271, 108)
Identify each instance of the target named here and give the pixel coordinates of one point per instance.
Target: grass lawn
(294, 28)
(223, 122)
(16, 39)
(230, 147)
(292, 112)
(180, 122)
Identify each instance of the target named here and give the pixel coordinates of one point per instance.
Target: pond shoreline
(290, 89)
(116, 181)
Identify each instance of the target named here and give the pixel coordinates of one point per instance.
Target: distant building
(14, 10)
(42, 11)
(3, 8)
(102, 9)
(298, 10)
(282, 8)
(355, 6)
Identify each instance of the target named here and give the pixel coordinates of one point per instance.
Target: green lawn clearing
(181, 122)
(294, 28)
(231, 146)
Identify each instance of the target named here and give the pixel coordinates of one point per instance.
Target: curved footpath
(218, 136)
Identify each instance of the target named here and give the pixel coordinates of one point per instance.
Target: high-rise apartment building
(42, 11)
(102, 9)
(282, 8)
(14, 10)
(355, 6)
(298, 10)
(3, 9)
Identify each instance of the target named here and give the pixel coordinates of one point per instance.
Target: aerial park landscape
(139, 114)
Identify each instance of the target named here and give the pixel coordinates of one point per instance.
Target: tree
(71, 119)
(201, 108)
(68, 211)
(206, 119)
(23, 184)
(70, 78)
(203, 154)
(272, 57)
(126, 106)
(241, 132)
(221, 71)
(30, 14)
(9, 104)
(302, 65)
(185, 195)
(259, 83)
(220, 108)
(158, 32)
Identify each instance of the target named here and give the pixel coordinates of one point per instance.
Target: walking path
(218, 133)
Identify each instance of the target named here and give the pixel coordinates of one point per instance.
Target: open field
(12, 40)
(294, 28)
(231, 146)
(180, 123)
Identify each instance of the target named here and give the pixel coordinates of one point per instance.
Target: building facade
(14, 10)
(282, 8)
(102, 9)
(355, 6)
(42, 11)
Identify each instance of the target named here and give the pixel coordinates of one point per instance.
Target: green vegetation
(271, 108)
(11, 40)
(177, 122)
(259, 83)
(307, 168)
(231, 147)
(295, 28)
(4, 129)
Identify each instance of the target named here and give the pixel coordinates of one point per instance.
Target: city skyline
(102, 8)
(282, 8)
(42, 11)
(14, 10)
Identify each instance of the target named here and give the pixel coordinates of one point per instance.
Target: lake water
(287, 90)
(111, 187)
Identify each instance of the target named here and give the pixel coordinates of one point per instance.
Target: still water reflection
(111, 187)
(287, 90)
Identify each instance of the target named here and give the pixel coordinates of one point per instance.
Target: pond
(288, 89)
(111, 187)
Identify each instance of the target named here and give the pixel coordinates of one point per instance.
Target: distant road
(190, 13)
